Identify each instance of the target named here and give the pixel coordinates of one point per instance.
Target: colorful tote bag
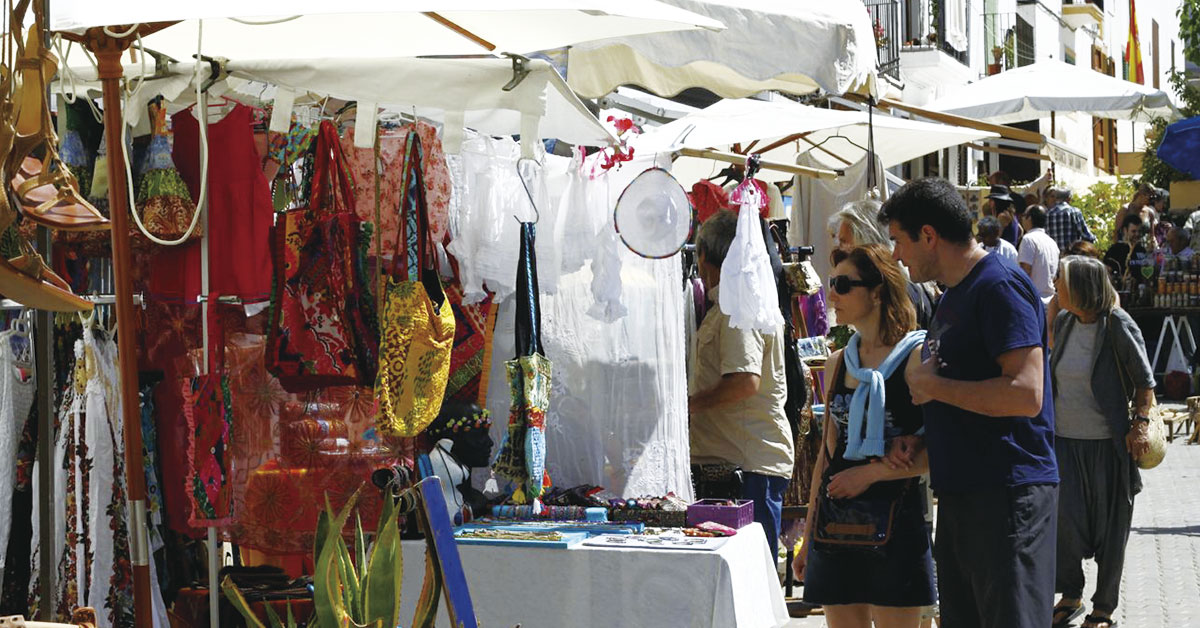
(323, 326)
(522, 456)
(418, 320)
(208, 410)
(166, 205)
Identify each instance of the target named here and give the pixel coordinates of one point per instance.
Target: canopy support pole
(108, 51)
(733, 158)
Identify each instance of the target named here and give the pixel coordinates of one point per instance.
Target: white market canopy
(841, 134)
(792, 46)
(365, 29)
(1037, 90)
(435, 87)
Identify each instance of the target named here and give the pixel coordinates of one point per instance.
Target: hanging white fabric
(955, 15)
(748, 294)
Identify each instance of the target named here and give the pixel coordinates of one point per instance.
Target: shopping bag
(418, 320)
(522, 456)
(323, 329)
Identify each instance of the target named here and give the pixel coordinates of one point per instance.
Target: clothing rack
(96, 299)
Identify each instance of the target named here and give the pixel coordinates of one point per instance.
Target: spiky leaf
(235, 597)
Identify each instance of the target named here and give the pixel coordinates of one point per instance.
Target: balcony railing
(885, 21)
(1007, 41)
(925, 31)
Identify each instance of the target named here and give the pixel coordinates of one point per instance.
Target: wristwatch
(1146, 419)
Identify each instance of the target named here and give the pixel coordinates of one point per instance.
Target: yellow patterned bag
(417, 323)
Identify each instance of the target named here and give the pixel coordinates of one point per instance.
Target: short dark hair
(930, 201)
(715, 236)
(988, 224)
(1131, 219)
(1036, 215)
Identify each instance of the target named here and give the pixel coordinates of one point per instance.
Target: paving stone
(1160, 587)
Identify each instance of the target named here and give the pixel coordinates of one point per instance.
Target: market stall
(235, 437)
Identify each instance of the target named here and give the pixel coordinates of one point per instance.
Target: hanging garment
(16, 398)
(489, 193)
(435, 176)
(239, 213)
(748, 291)
(91, 550)
(417, 323)
(522, 456)
(323, 330)
(163, 200)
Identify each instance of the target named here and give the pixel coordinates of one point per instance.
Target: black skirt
(900, 575)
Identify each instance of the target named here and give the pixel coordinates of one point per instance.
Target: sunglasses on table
(843, 284)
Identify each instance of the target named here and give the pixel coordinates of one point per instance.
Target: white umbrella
(793, 46)
(371, 29)
(842, 135)
(1037, 90)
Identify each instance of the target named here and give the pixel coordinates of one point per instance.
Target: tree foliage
(1189, 29)
(1154, 171)
(1100, 205)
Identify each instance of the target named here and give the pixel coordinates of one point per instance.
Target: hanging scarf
(870, 397)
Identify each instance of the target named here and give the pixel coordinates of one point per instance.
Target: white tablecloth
(585, 587)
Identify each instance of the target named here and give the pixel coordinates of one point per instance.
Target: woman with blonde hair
(1098, 364)
(868, 403)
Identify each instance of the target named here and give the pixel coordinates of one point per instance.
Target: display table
(585, 587)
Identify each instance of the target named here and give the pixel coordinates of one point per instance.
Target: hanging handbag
(522, 456)
(1156, 431)
(323, 328)
(208, 411)
(418, 321)
(862, 523)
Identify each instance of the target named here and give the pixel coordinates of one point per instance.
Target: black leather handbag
(858, 523)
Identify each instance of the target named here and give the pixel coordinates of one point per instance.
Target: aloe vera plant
(359, 590)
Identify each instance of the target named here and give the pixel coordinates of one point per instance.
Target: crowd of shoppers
(1022, 386)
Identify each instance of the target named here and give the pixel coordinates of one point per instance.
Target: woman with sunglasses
(868, 404)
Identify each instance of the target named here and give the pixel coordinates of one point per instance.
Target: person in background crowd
(1161, 204)
(985, 393)
(1038, 255)
(988, 231)
(1141, 197)
(1086, 249)
(1128, 249)
(1002, 208)
(1020, 202)
(1179, 245)
(888, 587)
(857, 224)
(1095, 442)
(1064, 223)
(738, 393)
(1192, 224)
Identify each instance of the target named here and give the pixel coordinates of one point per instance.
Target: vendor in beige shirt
(738, 391)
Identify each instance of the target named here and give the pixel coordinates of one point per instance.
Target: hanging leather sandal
(25, 278)
(44, 190)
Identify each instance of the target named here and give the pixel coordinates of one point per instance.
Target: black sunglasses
(842, 284)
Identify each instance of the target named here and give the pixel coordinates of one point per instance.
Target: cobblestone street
(1161, 584)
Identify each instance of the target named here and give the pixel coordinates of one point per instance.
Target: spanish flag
(1133, 50)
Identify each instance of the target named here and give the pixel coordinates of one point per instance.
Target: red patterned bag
(323, 322)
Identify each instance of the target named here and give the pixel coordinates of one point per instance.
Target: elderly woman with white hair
(857, 224)
(1097, 363)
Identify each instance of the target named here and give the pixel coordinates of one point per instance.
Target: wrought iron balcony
(885, 22)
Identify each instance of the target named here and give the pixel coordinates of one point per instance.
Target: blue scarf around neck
(870, 396)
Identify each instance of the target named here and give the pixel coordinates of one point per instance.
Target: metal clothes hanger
(532, 203)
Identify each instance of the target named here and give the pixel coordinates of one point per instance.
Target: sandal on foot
(1096, 621)
(1063, 615)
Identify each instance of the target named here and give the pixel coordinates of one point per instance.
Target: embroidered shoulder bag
(418, 321)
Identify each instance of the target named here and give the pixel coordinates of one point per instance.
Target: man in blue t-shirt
(984, 387)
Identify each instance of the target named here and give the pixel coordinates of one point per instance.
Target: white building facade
(928, 48)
